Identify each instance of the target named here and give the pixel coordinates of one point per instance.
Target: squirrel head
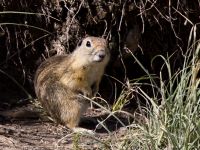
(93, 50)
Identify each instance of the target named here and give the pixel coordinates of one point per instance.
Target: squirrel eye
(88, 44)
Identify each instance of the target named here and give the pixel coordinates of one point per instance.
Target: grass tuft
(175, 123)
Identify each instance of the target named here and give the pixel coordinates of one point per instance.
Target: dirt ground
(38, 134)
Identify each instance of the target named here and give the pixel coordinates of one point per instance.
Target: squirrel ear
(79, 43)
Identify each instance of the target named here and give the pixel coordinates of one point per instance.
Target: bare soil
(38, 134)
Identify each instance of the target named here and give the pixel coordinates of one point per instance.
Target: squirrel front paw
(85, 92)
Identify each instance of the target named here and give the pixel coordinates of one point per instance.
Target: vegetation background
(152, 78)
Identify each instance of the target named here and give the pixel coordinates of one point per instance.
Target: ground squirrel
(61, 80)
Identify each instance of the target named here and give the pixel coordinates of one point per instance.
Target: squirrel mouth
(99, 56)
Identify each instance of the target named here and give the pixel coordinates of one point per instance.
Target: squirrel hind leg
(73, 125)
(70, 116)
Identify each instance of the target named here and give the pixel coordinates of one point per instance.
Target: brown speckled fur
(60, 80)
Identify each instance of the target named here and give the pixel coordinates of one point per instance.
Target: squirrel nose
(101, 54)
